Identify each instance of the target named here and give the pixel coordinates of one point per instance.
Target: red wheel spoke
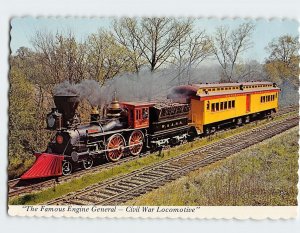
(136, 142)
(115, 144)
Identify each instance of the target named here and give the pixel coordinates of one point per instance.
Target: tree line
(129, 46)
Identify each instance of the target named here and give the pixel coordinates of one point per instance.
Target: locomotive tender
(130, 127)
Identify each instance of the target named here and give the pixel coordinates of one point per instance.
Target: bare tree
(106, 58)
(152, 40)
(189, 53)
(123, 35)
(60, 57)
(283, 61)
(229, 45)
(156, 38)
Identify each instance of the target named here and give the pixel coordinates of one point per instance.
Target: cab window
(145, 113)
(138, 114)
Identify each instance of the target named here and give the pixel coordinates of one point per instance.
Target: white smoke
(87, 89)
(144, 86)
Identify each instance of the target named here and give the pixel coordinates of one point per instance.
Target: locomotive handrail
(66, 147)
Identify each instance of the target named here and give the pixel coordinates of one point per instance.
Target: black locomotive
(123, 128)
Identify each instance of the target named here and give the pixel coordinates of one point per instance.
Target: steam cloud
(87, 89)
(145, 86)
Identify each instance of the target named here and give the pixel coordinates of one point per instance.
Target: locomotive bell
(114, 109)
(115, 105)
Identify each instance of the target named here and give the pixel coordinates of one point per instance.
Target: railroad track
(123, 188)
(15, 189)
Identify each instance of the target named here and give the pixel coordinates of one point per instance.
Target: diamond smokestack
(67, 105)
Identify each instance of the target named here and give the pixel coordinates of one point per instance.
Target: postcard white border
(216, 8)
(182, 212)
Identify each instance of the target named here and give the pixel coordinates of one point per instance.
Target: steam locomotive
(125, 128)
(131, 127)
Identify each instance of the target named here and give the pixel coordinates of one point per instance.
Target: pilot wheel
(87, 163)
(66, 168)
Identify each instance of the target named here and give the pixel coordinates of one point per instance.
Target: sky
(24, 28)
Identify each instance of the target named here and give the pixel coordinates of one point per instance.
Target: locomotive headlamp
(54, 120)
(59, 139)
(50, 121)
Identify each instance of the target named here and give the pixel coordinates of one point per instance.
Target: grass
(90, 179)
(261, 175)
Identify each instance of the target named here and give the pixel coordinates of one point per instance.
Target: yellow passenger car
(218, 104)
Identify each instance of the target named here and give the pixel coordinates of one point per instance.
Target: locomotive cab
(138, 114)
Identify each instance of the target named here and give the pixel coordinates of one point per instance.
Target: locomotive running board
(45, 165)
